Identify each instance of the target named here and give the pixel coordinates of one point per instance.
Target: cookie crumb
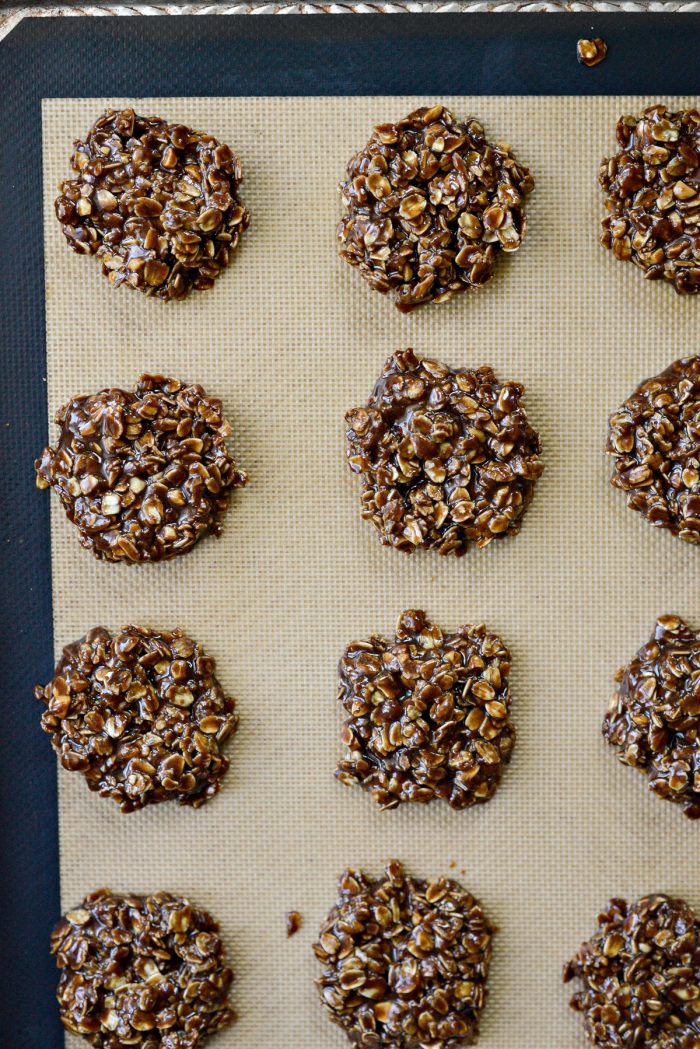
(591, 52)
(293, 923)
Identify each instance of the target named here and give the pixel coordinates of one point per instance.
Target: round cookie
(428, 714)
(429, 204)
(654, 438)
(141, 715)
(143, 475)
(142, 971)
(653, 196)
(405, 962)
(639, 975)
(654, 716)
(447, 457)
(156, 202)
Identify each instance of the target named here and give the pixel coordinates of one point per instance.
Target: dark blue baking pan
(650, 54)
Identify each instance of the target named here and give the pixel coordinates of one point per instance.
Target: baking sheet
(289, 338)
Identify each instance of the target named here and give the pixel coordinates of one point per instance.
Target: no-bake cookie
(142, 474)
(447, 457)
(142, 971)
(428, 714)
(157, 203)
(639, 976)
(653, 720)
(141, 715)
(654, 439)
(429, 205)
(404, 962)
(652, 195)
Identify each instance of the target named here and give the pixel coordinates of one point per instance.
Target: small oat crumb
(293, 922)
(591, 52)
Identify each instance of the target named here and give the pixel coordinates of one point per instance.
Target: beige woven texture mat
(289, 339)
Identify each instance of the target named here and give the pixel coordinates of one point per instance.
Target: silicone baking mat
(290, 338)
(297, 574)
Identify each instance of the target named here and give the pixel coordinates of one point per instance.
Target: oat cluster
(428, 714)
(640, 976)
(429, 204)
(141, 715)
(653, 196)
(156, 202)
(143, 475)
(405, 962)
(142, 971)
(591, 52)
(654, 716)
(447, 458)
(655, 441)
(294, 923)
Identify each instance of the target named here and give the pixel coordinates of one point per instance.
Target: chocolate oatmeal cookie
(405, 962)
(654, 716)
(639, 976)
(143, 475)
(447, 457)
(141, 714)
(428, 714)
(652, 189)
(142, 971)
(156, 202)
(429, 204)
(655, 441)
